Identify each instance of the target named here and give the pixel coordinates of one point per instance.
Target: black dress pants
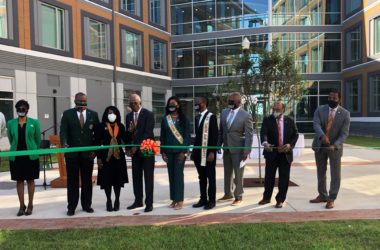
(143, 167)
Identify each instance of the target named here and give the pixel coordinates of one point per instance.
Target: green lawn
(357, 140)
(308, 235)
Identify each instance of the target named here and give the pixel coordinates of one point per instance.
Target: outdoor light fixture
(245, 44)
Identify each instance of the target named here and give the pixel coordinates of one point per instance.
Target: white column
(26, 88)
(146, 97)
(120, 100)
(76, 85)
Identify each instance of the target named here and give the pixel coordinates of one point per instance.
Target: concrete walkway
(359, 198)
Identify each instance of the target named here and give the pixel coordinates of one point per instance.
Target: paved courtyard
(359, 198)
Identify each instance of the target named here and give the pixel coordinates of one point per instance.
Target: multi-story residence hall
(51, 49)
(336, 45)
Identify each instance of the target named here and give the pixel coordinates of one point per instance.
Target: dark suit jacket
(73, 135)
(269, 133)
(212, 135)
(144, 128)
(102, 137)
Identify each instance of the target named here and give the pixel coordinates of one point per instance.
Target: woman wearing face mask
(112, 167)
(175, 131)
(24, 134)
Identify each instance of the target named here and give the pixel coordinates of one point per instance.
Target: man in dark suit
(206, 134)
(331, 125)
(77, 130)
(140, 124)
(278, 136)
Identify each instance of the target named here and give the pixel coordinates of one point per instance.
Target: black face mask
(332, 104)
(172, 108)
(231, 104)
(197, 107)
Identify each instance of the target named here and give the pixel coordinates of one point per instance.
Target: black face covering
(172, 108)
(231, 104)
(80, 105)
(332, 104)
(197, 107)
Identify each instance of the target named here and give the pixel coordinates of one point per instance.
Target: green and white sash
(205, 132)
(174, 130)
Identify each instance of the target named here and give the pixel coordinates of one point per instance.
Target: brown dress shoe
(279, 205)
(172, 205)
(179, 205)
(319, 199)
(237, 202)
(225, 198)
(330, 204)
(264, 201)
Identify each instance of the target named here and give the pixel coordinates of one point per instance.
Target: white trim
(362, 64)
(97, 5)
(360, 12)
(143, 73)
(77, 61)
(365, 119)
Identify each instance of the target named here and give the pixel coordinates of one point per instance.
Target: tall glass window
(53, 27)
(353, 95)
(304, 62)
(132, 51)
(352, 5)
(158, 55)
(181, 16)
(97, 39)
(377, 34)
(204, 16)
(374, 93)
(131, 6)
(157, 12)
(158, 103)
(353, 45)
(3, 19)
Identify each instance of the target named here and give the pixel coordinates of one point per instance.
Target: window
(3, 19)
(158, 108)
(6, 96)
(132, 7)
(97, 38)
(377, 34)
(315, 60)
(352, 5)
(51, 28)
(157, 12)
(374, 93)
(158, 56)
(353, 45)
(132, 53)
(304, 62)
(353, 95)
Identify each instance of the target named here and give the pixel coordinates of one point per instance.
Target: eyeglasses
(21, 109)
(133, 103)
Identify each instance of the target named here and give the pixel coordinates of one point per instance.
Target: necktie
(329, 123)
(279, 135)
(230, 117)
(136, 117)
(81, 119)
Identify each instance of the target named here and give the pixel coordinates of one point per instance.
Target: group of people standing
(80, 127)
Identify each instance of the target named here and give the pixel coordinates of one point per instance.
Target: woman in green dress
(175, 131)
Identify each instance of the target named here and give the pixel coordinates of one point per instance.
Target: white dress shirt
(232, 112)
(202, 115)
(84, 115)
(335, 109)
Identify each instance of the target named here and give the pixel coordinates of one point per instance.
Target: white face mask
(111, 118)
(276, 114)
(21, 114)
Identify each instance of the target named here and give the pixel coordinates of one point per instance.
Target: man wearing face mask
(236, 130)
(206, 134)
(140, 125)
(331, 124)
(77, 130)
(278, 135)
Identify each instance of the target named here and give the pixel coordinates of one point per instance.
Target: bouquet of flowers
(149, 147)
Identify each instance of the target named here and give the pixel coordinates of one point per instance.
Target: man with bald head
(236, 130)
(140, 125)
(278, 135)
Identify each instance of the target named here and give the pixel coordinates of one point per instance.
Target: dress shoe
(70, 212)
(29, 210)
(237, 202)
(135, 205)
(210, 205)
(319, 199)
(279, 204)
(179, 205)
(330, 205)
(88, 210)
(201, 203)
(148, 208)
(264, 201)
(109, 206)
(172, 205)
(21, 211)
(226, 198)
(116, 205)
